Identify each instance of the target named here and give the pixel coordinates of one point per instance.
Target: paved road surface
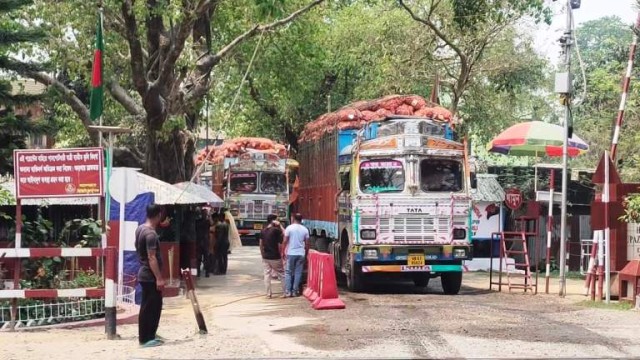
(391, 321)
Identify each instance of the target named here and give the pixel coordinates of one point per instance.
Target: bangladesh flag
(97, 87)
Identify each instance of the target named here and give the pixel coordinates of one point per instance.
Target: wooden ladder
(515, 243)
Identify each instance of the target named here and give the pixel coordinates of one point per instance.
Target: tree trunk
(170, 158)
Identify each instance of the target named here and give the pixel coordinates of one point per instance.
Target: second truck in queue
(388, 195)
(250, 175)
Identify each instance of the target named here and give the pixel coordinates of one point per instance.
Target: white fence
(48, 312)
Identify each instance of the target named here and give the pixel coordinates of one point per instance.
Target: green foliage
(631, 209)
(42, 273)
(81, 232)
(604, 49)
(14, 129)
(37, 232)
(83, 279)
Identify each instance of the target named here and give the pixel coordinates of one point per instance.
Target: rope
(235, 98)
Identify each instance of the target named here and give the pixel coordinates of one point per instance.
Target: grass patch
(617, 305)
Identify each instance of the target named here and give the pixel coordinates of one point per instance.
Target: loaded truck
(250, 174)
(384, 188)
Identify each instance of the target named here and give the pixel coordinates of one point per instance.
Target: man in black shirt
(222, 245)
(270, 248)
(150, 277)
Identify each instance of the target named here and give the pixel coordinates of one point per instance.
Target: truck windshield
(440, 175)
(271, 183)
(245, 182)
(377, 176)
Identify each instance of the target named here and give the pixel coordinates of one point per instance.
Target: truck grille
(257, 209)
(414, 228)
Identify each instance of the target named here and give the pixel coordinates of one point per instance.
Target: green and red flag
(97, 86)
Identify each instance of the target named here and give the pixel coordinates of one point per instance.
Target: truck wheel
(354, 276)
(451, 282)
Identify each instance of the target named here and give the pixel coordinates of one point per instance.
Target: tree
(14, 128)
(159, 62)
(367, 49)
(467, 29)
(604, 49)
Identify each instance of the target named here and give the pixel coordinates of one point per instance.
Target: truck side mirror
(474, 181)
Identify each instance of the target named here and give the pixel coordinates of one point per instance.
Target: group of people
(283, 253)
(212, 241)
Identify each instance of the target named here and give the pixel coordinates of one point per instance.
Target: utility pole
(565, 89)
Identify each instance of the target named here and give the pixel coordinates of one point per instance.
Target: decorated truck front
(257, 187)
(401, 202)
(251, 176)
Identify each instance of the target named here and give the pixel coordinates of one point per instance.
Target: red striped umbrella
(535, 138)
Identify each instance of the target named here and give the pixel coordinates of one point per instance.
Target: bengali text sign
(58, 173)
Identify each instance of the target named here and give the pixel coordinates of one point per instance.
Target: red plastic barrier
(311, 291)
(322, 284)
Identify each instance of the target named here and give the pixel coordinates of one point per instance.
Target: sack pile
(237, 146)
(357, 114)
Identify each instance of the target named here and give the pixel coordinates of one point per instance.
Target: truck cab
(254, 185)
(404, 203)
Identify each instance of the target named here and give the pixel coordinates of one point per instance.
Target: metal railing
(35, 312)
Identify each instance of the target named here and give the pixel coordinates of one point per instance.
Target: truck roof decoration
(356, 115)
(236, 147)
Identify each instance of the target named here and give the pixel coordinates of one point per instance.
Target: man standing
(150, 277)
(295, 241)
(221, 247)
(270, 242)
(202, 241)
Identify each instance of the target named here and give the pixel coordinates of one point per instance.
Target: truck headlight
(459, 234)
(368, 234)
(459, 253)
(370, 254)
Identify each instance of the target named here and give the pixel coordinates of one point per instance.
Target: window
(379, 176)
(345, 181)
(245, 182)
(271, 183)
(440, 175)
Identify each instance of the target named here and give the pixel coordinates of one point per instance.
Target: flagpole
(101, 15)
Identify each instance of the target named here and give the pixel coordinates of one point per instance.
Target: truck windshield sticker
(244, 182)
(381, 176)
(381, 164)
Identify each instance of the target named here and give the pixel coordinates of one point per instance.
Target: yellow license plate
(415, 260)
(257, 226)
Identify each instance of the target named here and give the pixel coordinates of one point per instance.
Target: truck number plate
(415, 260)
(257, 226)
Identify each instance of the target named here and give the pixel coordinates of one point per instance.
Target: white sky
(546, 39)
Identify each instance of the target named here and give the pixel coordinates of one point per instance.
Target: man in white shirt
(295, 243)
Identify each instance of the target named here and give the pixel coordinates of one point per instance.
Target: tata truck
(253, 184)
(391, 197)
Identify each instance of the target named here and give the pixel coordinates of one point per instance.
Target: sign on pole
(58, 173)
(513, 198)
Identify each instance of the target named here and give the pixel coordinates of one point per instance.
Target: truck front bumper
(411, 258)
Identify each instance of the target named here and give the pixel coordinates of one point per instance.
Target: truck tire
(451, 282)
(354, 276)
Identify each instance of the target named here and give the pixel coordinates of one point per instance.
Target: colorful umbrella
(535, 138)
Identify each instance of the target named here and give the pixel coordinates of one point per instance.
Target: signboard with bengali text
(58, 173)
